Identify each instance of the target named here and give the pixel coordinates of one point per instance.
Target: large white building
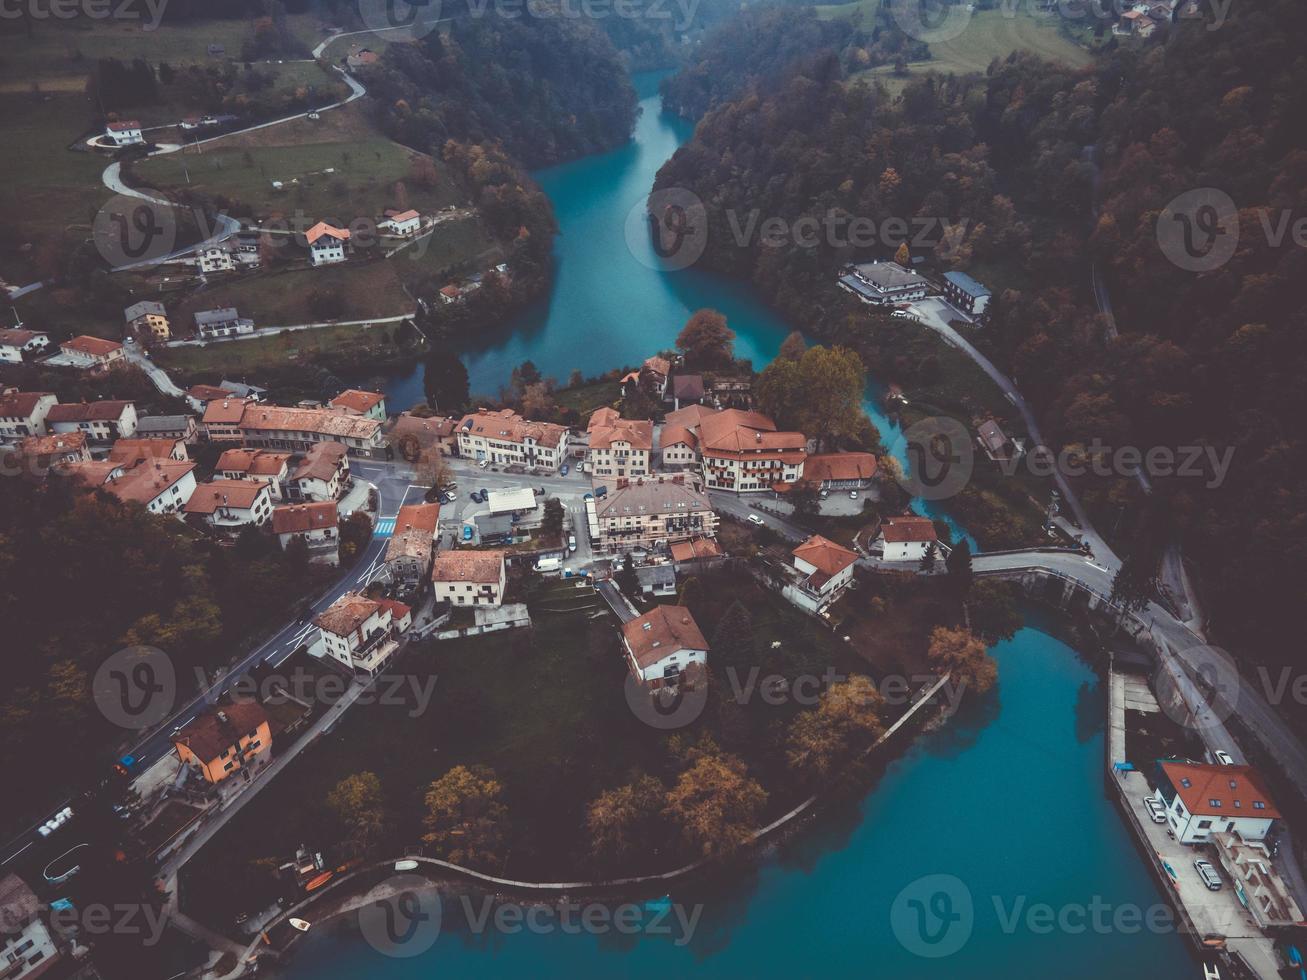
(102, 421)
(619, 447)
(1202, 800)
(14, 343)
(825, 570)
(463, 577)
(228, 505)
(361, 633)
(649, 514)
(506, 437)
(327, 243)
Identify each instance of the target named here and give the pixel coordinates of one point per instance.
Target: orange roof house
(662, 644)
(331, 231)
(304, 518)
(357, 402)
(224, 741)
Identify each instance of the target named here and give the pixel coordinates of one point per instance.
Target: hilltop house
(14, 343)
(663, 645)
(966, 294)
(469, 578)
(327, 243)
(619, 447)
(221, 742)
(883, 283)
(316, 524)
(148, 318)
(222, 322)
(127, 132)
(229, 505)
(359, 632)
(102, 421)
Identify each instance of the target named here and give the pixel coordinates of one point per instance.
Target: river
(1007, 798)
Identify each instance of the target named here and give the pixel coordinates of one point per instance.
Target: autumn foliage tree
(622, 821)
(964, 656)
(846, 717)
(359, 807)
(716, 804)
(466, 817)
(706, 342)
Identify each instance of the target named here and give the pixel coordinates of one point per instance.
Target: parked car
(1205, 871)
(549, 565)
(474, 495)
(853, 495)
(571, 542)
(901, 313)
(1155, 809)
(448, 497)
(483, 463)
(823, 494)
(467, 532)
(564, 470)
(1223, 758)
(755, 519)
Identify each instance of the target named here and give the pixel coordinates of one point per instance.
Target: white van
(549, 564)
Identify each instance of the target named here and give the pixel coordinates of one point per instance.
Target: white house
(14, 343)
(102, 421)
(229, 505)
(883, 283)
(224, 322)
(260, 465)
(321, 474)
(326, 243)
(125, 133)
(1202, 800)
(316, 524)
(662, 644)
(506, 437)
(23, 413)
(619, 447)
(400, 222)
(216, 258)
(353, 401)
(826, 570)
(26, 947)
(906, 538)
(91, 353)
(359, 632)
(161, 486)
(469, 578)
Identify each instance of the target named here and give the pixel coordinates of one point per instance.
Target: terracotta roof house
(687, 389)
(1202, 800)
(102, 421)
(91, 352)
(326, 243)
(222, 419)
(14, 343)
(662, 645)
(906, 538)
(506, 437)
(161, 486)
(222, 742)
(132, 451)
(316, 524)
(228, 505)
(259, 465)
(619, 447)
(695, 549)
(359, 632)
(23, 413)
(826, 567)
(321, 474)
(411, 435)
(275, 427)
(743, 452)
(39, 453)
(840, 471)
(412, 546)
(469, 578)
(356, 402)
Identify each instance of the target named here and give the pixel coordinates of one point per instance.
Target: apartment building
(507, 438)
(650, 514)
(619, 447)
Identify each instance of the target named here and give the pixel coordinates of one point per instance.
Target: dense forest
(1202, 358)
(546, 88)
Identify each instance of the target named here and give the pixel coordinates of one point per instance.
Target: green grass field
(268, 352)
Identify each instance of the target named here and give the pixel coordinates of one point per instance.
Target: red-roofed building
(161, 486)
(316, 524)
(412, 546)
(1202, 800)
(906, 538)
(662, 645)
(359, 632)
(840, 471)
(91, 353)
(352, 401)
(222, 419)
(259, 465)
(102, 421)
(124, 133)
(23, 413)
(619, 447)
(827, 565)
(327, 243)
(223, 742)
(229, 505)
(400, 222)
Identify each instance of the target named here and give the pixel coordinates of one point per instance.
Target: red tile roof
(299, 518)
(91, 346)
(355, 400)
(695, 548)
(225, 411)
(209, 497)
(322, 228)
(827, 556)
(839, 466)
(255, 462)
(661, 631)
(101, 411)
(507, 425)
(1237, 790)
(209, 736)
(460, 565)
(909, 528)
(21, 404)
(134, 450)
(347, 613)
(320, 462)
(607, 427)
(147, 479)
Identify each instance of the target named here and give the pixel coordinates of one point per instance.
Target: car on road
(571, 542)
(1155, 809)
(538, 491)
(564, 470)
(483, 463)
(467, 532)
(901, 314)
(853, 495)
(448, 497)
(1205, 871)
(755, 519)
(1223, 758)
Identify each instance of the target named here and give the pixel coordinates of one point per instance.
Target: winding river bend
(1006, 798)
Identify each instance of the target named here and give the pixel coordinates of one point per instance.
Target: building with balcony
(883, 283)
(315, 524)
(664, 647)
(23, 413)
(229, 505)
(649, 514)
(89, 354)
(321, 474)
(299, 429)
(148, 318)
(743, 452)
(619, 447)
(822, 571)
(354, 401)
(906, 538)
(1203, 800)
(102, 421)
(360, 633)
(222, 743)
(258, 465)
(16, 342)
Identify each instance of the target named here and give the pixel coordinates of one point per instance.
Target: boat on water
(406, 865)
(300, 924)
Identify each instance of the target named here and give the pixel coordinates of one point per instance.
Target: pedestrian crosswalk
(385, 528)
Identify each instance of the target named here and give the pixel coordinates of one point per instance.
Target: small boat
(406, 865)
(319, 881)
(299, 924)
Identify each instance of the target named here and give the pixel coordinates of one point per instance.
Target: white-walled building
(469, 578)
(222, 322)
(506, 437)
(91, 353)
(649, 514)
(400, 222)
(229, 505)
(662, 644)
(619, 447)
(161, 486)
(14, 343)
(906, 538)
(353, 401)
(259, 465)
(316, 524)
(321, 474)
(361, 633)
(102, 421)
(125, 133)
(826, 570)
(327, 243)
(23, 413)
(1202, 800)
(215, 259)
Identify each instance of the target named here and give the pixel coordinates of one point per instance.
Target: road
(157, 375)
(394, 489)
